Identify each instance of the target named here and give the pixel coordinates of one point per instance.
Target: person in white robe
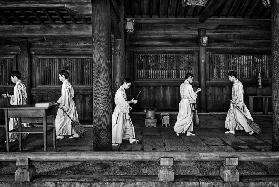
(63, 123)
(19, 97)
(122, 126)
(184, 123)
(238, 114)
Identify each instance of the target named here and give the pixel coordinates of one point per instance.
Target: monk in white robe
(122, 126)
(19, 97)
(184, 123)
(238, 114)
(63, 123)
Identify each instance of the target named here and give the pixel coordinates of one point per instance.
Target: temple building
(155, 43)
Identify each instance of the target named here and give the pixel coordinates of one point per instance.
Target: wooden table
(30, 114)
(264, 100)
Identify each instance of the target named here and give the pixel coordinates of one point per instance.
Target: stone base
(150, 122)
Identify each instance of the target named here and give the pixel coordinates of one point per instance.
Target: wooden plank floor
(209, 137)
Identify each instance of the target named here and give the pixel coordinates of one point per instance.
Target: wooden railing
(228, 172)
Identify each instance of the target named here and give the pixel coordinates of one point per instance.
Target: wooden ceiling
(253, 9)
(40, 15)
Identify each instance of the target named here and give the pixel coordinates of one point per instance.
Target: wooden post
(228, 171)
(119, 52)
(102, 79)
(275, 74)
(166, 171)
(118, 63)
(202, 73)
(24, 67)
(25, 171)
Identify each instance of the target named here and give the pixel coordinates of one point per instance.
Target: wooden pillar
(24, 66)
(202, 73)
(275, 74)
(118, 63)
(102, 79)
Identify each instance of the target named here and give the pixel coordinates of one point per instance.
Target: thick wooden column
(275, 74)
(102, 79)
(24, 66)
(202, 73)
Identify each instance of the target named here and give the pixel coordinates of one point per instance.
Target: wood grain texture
(275, 74)
(102, 80)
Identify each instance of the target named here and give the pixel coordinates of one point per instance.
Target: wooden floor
(209, 137)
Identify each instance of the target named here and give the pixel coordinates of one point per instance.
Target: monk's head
(126, 83)
(189, 77)
(63, 75)
(232, 76)
(15, 76)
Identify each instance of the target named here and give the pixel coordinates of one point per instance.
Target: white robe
(18, 98)
(62, 121)
(238, 113)
(184, 121)
(122, 126)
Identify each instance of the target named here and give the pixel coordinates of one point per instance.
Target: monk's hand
(198, 90)
(130, 108)
(134, 101)
(6, 95)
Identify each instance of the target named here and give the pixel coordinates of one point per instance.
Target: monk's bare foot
(229, 132)
(74, 136)
(251, 133)
(190, 134)
(59, 137)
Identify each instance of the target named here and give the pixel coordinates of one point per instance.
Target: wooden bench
(265, 100)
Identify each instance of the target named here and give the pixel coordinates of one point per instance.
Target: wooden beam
(78, 8)
(210, 10)
(45, 30)
(139, 156)
(47, 1)
(210, 22)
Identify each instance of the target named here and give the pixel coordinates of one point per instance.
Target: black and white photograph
(144, 93)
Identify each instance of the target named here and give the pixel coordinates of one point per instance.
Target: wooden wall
(160, 50)
(47, 56)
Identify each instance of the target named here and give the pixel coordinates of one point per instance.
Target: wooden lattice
(247, 66)
(163, 66)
